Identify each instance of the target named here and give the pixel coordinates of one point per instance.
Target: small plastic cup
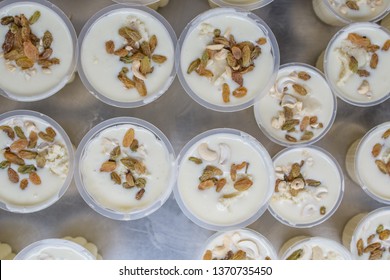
(99, 70)
(313, 248)
(361, 90)
(107, 195)
(244, 26)
(248, 5)
(231, 205)
(362, 164)
(56, 174)
(365, 229)
(153, 4)
(54, 249)
(309, 201)
(320, 103)
(37, 83)
(6, 252)
(338, 14)
(255, 245)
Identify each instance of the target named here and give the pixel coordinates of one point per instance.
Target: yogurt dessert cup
(6, 252)
(226, 59)
(86, 244)
(54, 249)
(39, 50)
(299, 108)
(368, 235)
(343, 12)
(368, 162)
(224, 180)
(36, 161)
(125, 168)
(313, 248)
(309, 186)
(153, 4)
(356, 64)
(238, 244)
(248, 5)
(127, 55)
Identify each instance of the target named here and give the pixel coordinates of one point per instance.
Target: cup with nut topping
(6, 252)
(39, 50)
(368, 162)
(309, 186)
(368, 235)
(153, 4)
(238, 244)
(125, 168)
(343, 12)
(248, 5)
(227, 59)
(299, 108)
(127, 55)
(313, 248)
(225, 179)
(36, 161)
(356, 64)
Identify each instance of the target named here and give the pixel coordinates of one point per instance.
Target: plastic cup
(248, 5)
(108, 197)
(297, 202)
(208, 93)
(99, 70)
(208, 208)
(33, 85)
(35, 197)
(320, 102)
(153, 4)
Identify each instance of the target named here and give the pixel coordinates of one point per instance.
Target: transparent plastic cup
(208, 208)
(98, 70)
(304, 210)
(191, 46)
(332, 15)
(365, 227)
(54, 249)
(380, 93)
(109, 198)
(37, 85)
(248, 5)
(306, 244)
(320, 102)
(243, 239)
(153, 4)
(361, 163)
(34, 197)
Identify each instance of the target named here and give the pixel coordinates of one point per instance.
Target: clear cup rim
(69, 75)
(328, 214)
(259, 237)
(89, 25)
(363, 184)
(136, 2)
(54, 242)
(267, 162)
(69, 147)
(214, 12)
(334, 87)
(326, 129)
(249, 6)
(340, 248)
(102, 210)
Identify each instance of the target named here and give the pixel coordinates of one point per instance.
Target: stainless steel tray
(168, 234)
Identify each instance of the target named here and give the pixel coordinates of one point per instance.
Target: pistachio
(376, 254)
(47, 39)
(384, 234)
(289, 124)
(261, 41)
(110, 47)
(313, 120)
(34, 178)
(8, 42)
(9, 131)
(374, 61)
(386, 45)
(140, 182)
(45, 136)
(26, 169)
(140, 86)
(128, 33)
(226, 93)
(247, 69)
(360, 247)
(217, 32)
(240, 92)
(127, 186)
(13, 175)
(229, 255)
(323, 210)
(295, 170)
(312, 183)
(295, 255)
(108, 166)
(243, 184)
(25, 154)
(195, 160)
(370, 238)
(127, 82)
(128, 138)
(13, 158)
(115, 153)
(372, 247)
(140, 194)
(376, 150)
(116, 178)
(193, 66)
(153, 43)
(386, 134)
(145, 67)
(7, 20)
(130, 179)
(31, 51)
(363, 73)
(358, 40)
(352, 5)
(208, 255)
(299, 89)
(220, 184)
(134, 145)
(255, 53)
(122, 52)
(51, 132)
(231, 61)
(304, 75)
(239, 255)
(308, 135)
(207, 184)
(4, 164)
(373, 48)
(236, 51)
(46, 54)
(221, 40)
(19, 145)
(230, 195)
(304, 123)
(134, 57)
(23, 184)
(19, 132)
(291, 138)
(237, 77)
(246, 56)
(159, 58)
(40, 160)
(381, 166)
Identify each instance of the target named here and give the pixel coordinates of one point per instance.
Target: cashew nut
(135, 69)
(318, 254)
(215, 47)
(320, 193)
(289, 101)
(224, 151)
(207, 154)
(250, 247)
(364, 88)
(309, 210)
(221, 55)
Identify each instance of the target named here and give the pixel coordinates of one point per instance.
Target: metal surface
(168, 234)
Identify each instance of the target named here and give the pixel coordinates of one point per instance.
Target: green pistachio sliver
(34, 18)
(27, 169)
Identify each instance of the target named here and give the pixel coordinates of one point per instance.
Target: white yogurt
(348, 85)
(366, 231)
(31, 85)
(100, 69)
(200, 33)
(244, 4)
(111, 196)
(228, 207)
(53, 175)
(302, 204)
(316, 248)
(318, 102)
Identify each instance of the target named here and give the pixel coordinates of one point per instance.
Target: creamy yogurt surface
(308, 186)
(101, 68)
(37, 81)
